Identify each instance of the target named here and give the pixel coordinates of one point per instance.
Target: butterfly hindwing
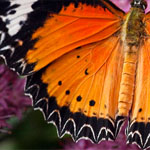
(80, 96)
(33, 33)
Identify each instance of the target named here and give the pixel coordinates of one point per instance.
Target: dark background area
(31, 132)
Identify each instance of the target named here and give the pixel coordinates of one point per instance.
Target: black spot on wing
(79, 98)
(59, 83)
(12, 12)
(140, 110)
(78, 56)
(92, 103)
(86, 71)
(67, 92)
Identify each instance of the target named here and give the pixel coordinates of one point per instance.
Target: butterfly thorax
(133, 28)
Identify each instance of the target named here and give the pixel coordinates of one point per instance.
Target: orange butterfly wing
(60, 28)
(75, 54)
(72, 27)
(82, 93)
(138, 130)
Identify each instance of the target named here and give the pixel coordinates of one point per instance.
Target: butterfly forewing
(39, 32)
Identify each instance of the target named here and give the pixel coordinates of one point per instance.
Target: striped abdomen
(132, 33)
(128, 81)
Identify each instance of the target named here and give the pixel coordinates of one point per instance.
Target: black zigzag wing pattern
(77, 124)
(139, 133)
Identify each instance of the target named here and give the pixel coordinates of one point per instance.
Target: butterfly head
(139, 4)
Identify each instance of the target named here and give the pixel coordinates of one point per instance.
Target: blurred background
(22, 128)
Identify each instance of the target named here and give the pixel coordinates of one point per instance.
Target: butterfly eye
(139, 4)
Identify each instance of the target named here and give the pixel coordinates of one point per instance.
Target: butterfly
(87, 64)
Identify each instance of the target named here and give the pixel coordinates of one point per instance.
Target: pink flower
(125, 4)
(12, 99)
(122, 4)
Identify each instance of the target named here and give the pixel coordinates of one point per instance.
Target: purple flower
(125, 4)
(118, 144)
(122, 4)
(12, 99)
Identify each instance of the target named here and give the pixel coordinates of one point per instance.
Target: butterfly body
(133, 32)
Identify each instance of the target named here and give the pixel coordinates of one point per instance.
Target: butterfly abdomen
(132, 32)
(127, 82)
